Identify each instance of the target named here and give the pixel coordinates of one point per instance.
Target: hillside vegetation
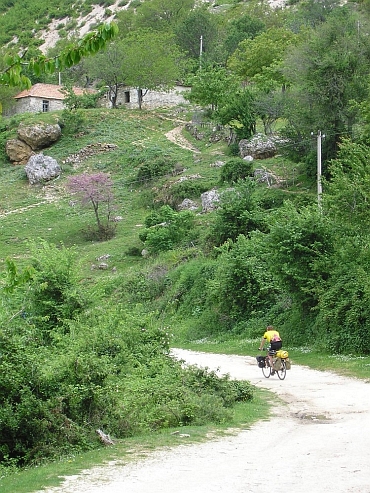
(94, 292)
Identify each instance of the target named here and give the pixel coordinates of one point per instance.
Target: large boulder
(210, 200)
(18, 151)
(40, 135)
(258, 147)
(41, 168)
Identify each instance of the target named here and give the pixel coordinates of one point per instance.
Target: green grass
(133, 449)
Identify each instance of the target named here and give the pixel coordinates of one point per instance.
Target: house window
(45, 105)
(127, 96)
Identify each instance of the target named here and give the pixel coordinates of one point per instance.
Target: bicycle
(268, 371)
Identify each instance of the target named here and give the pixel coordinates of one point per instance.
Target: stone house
(128, 97)
(42, 98)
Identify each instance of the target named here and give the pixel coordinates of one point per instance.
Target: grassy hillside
(44, 210)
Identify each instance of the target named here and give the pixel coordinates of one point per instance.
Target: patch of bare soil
(317, 440)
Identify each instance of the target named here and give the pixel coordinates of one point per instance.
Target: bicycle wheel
(282, 372)
(266, 370)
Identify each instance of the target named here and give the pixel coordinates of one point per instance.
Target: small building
(128, 97)
(42, 98)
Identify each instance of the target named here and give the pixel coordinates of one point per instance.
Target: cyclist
(272, 336)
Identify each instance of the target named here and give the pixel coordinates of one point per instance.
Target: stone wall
(33, 105)
(153, 99)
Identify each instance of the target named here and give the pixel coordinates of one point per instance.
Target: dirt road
(319, 442)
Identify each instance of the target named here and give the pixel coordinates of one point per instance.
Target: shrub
(235, 169)
(166, 228)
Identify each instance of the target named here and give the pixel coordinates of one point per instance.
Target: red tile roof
(49, 91)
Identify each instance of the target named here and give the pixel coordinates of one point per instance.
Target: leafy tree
(245, 286)
(199, 24)
(159, 65)
(344, 301)
(91, 43)
(310, 13)
(346, 195)
(263, 54)
(269, 106)
(162, 15)
(238, 112)
(108, 68)
(329, 72)
(211, 86)
(96, 190)
(300, 242)
(244, 27)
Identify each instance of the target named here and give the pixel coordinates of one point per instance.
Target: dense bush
(152, 163)
(239, 213)
(108, 368)
(166, 229)
(174, 194)
(235, 169)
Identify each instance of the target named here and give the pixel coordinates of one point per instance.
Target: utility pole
(200, 52)
(319, 184)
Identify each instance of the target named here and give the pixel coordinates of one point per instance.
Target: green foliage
(328, 72)
(341, 323)
(185, 189)
(245, 286)
(160, 65)
(159, 166)
(244, 27)
(199, 23)
(235, 169)
(211, 86)
(166, 229)
(110, 371)
(72, 121)
(53, 297)
(90, 44)
(262, 54)
(74, 102)
(238, 213)
(152, 162)
(238, 113)
(300, 243)
(348, 191)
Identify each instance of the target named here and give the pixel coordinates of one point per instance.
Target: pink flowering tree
(95, 190)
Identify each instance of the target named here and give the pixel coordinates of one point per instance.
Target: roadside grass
(133, 449)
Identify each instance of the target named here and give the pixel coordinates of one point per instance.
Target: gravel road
(319, 442)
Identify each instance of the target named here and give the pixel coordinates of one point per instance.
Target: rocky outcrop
(188, 205)
(210, 200)
(41, 168)
(258, 147)
(31, 138)
(40, 135)
(264, 176)
(18, 151)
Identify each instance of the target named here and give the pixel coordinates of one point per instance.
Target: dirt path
(320, 443)
(177, 138)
